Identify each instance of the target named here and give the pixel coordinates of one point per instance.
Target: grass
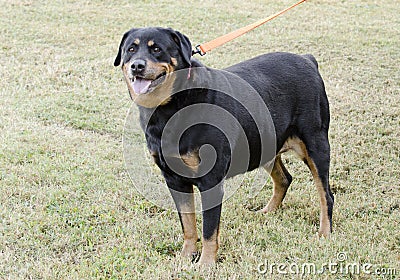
(68, 209)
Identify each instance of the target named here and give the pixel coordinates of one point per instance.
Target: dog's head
(148, 56)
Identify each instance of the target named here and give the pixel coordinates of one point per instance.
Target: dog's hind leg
(314, 150)
(318, 161)
(281, 179)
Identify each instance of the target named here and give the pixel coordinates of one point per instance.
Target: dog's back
(292, 89)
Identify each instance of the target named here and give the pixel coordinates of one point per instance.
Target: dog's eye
(156, 50)
(132, 49)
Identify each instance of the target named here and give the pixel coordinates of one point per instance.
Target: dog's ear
(117, 60)
(185, 47)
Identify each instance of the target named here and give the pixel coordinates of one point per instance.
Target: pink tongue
(141, 86)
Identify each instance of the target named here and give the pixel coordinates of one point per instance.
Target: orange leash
(208, 46)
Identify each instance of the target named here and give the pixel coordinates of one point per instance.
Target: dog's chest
(163, 131)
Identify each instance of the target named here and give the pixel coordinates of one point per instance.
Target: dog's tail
(311, 58)
(324, 105)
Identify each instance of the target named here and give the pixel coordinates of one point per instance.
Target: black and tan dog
(289, 85)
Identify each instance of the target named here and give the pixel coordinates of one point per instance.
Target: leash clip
(197, 50)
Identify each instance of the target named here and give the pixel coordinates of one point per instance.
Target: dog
(291, 91)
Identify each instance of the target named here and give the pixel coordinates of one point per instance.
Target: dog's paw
(271, 207)
(189, 250)
(324, 233)
(207, 261)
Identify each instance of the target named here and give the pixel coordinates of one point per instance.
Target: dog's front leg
(184, 201)
(211, 201)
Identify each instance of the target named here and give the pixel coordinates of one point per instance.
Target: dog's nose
(138, 66)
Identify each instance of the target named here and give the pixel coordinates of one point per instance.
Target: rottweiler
(295, 102)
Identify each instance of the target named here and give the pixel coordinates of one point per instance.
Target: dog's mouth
(141, 85)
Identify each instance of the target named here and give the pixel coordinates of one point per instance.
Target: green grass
(68, 209)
